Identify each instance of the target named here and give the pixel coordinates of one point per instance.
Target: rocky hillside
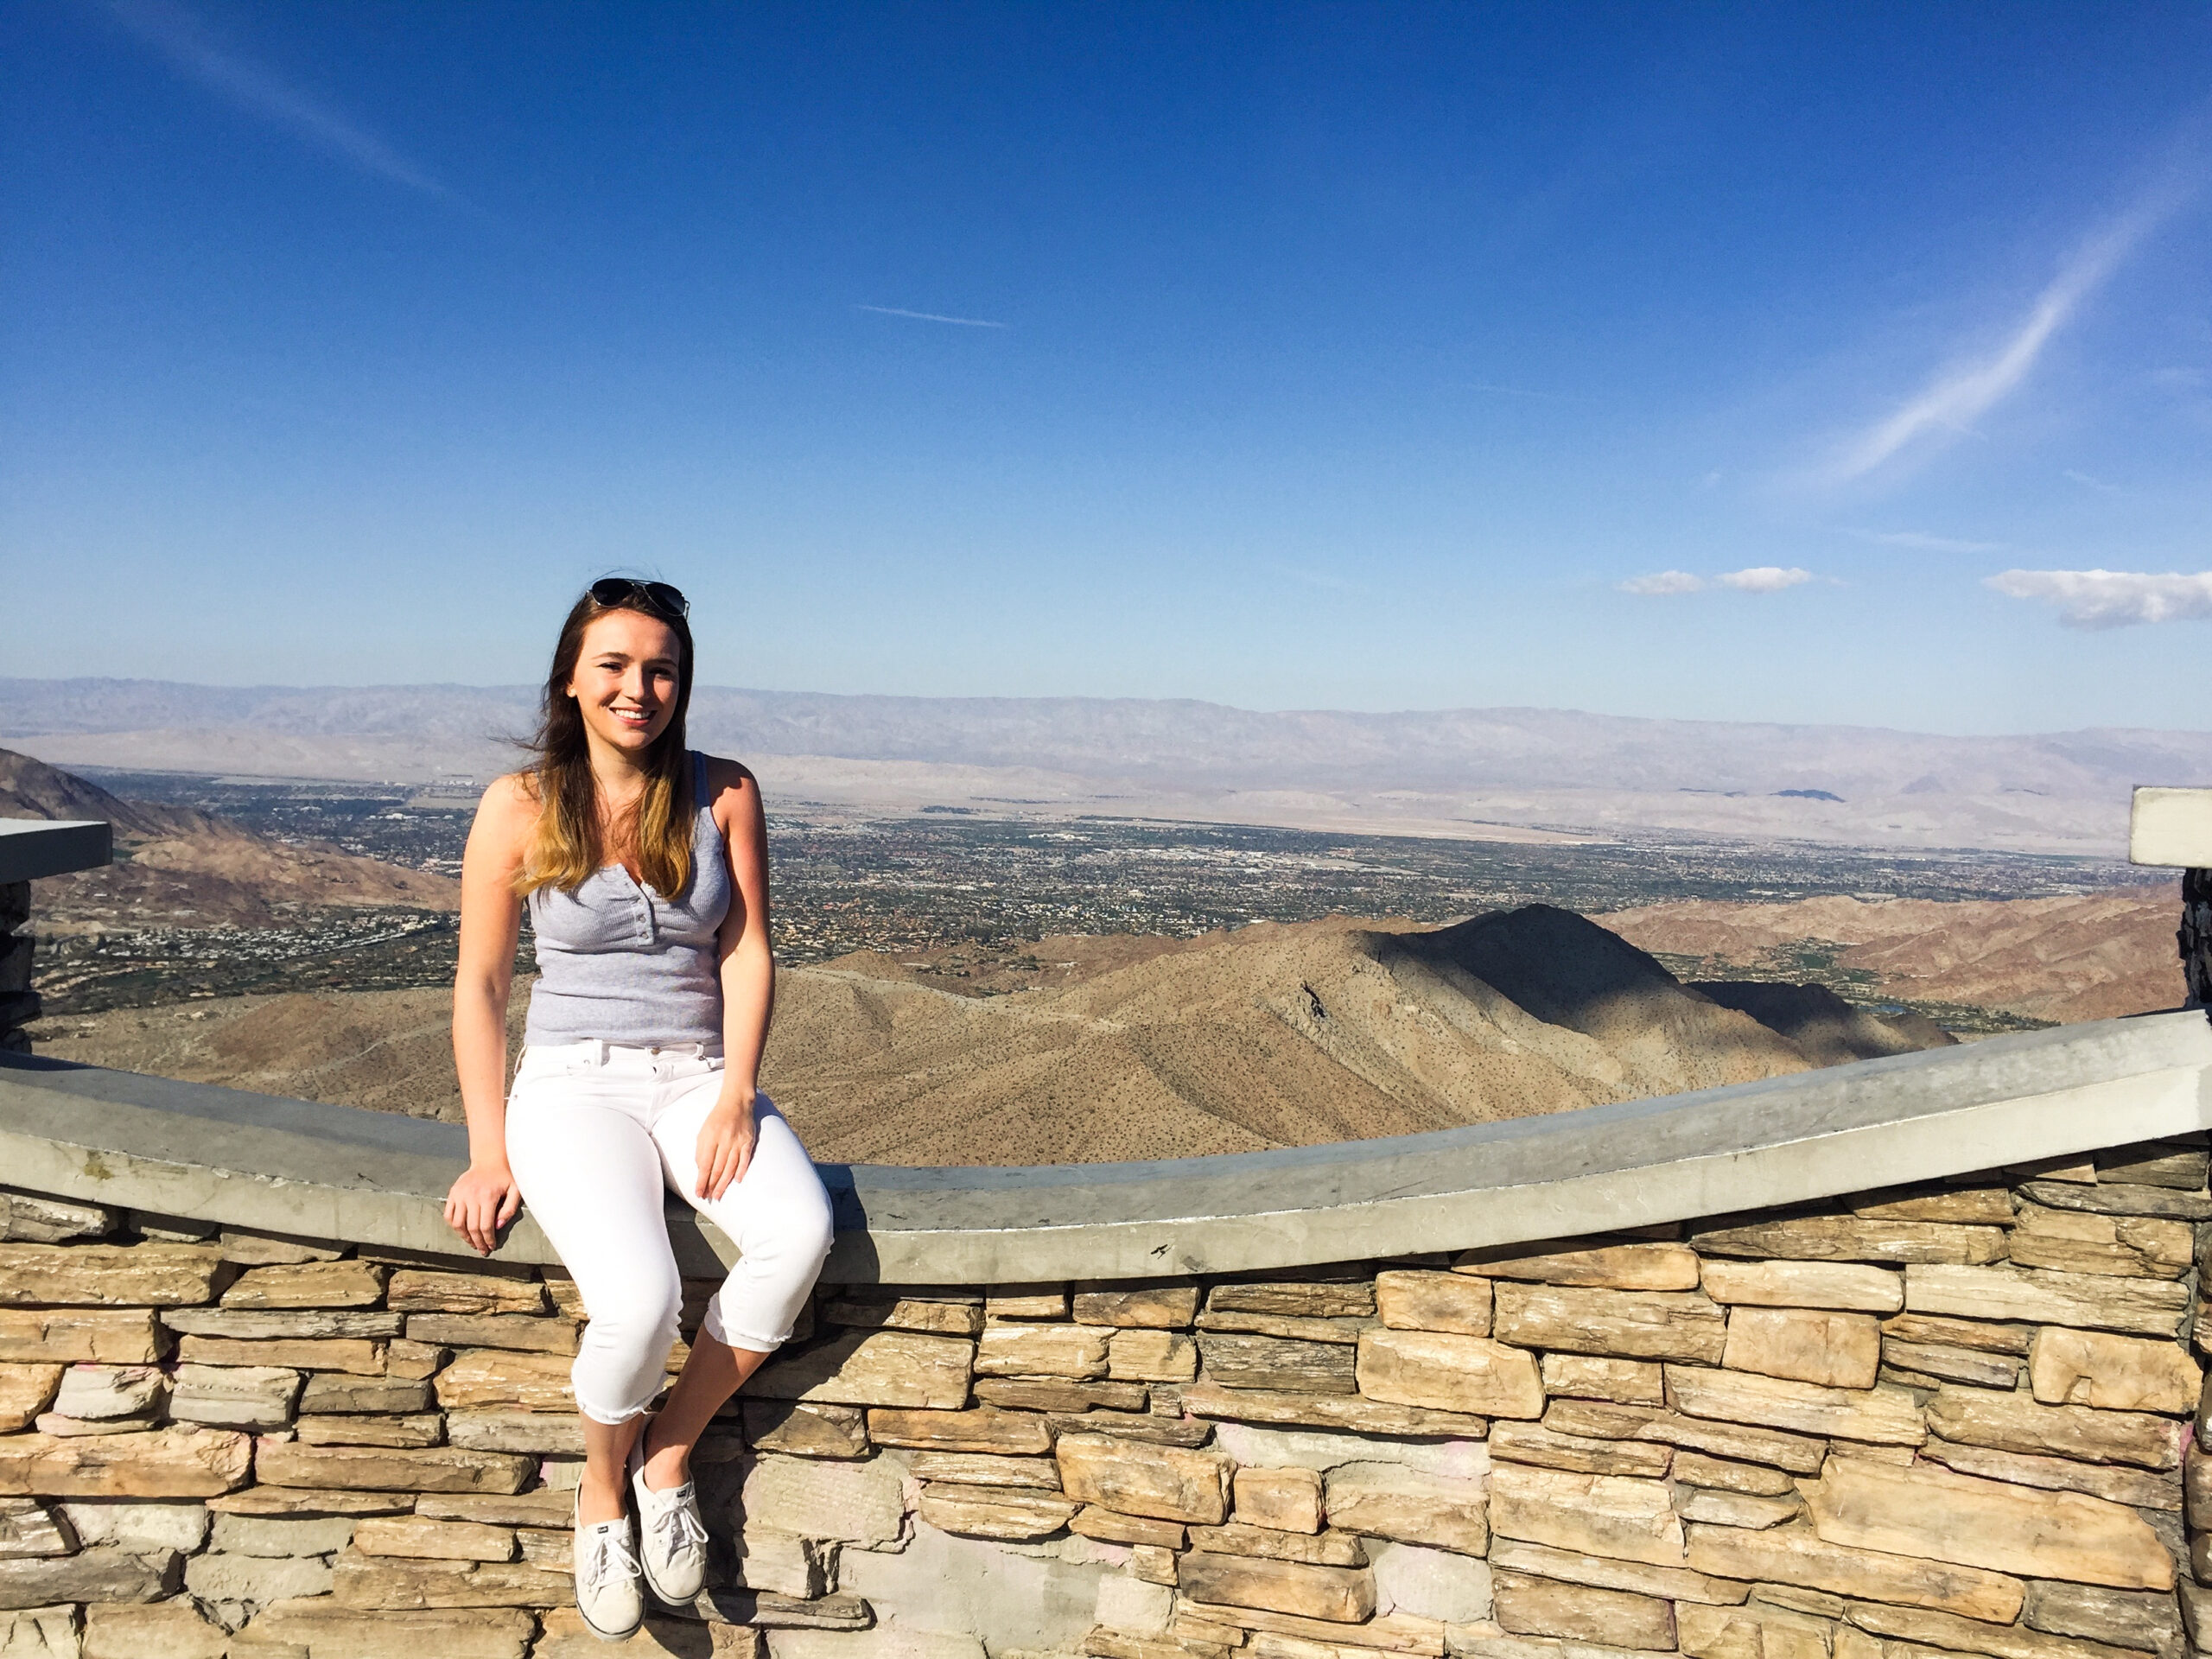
(178, 868)
(1270, 1036)
(31, 789)
(2093, 956)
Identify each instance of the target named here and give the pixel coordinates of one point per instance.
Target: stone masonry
(1955, 1419)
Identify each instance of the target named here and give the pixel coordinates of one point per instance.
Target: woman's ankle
(599, 1500)
(666, 1466)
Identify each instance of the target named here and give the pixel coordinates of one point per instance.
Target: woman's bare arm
(748, 977)
(485, 1199)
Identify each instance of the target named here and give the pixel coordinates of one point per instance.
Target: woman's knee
(775, 1274)
(791, 1242)
(634, 1313)
(623, 1354)
(815, 1231)
(787, 1219)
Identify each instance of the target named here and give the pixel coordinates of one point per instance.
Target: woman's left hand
(726, 1142)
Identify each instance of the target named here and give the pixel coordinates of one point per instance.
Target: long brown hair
(567, 847)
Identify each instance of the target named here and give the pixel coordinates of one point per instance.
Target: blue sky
(1776, 362)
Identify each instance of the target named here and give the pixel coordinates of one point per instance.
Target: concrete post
(2173, 828)
(19, 1004)
(2194, 937)
(30, 848)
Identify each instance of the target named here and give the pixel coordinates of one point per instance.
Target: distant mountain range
(1489, 773)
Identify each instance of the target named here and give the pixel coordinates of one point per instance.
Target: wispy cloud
(2112, 599)
(1758, 579)
(1764, 578)
(1322, 579)
(929, 316)
(1922, 540)
(1520, 392)
(1959, 395)
(1665, 582)
(178, 36)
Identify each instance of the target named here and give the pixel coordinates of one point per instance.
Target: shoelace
(606, 1559)
(677, 1526)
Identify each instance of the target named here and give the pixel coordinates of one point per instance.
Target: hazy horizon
(10, 720)
(1496, 773)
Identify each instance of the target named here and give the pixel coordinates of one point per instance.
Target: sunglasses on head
(614, 592)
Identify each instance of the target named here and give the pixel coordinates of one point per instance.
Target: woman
(644, 866)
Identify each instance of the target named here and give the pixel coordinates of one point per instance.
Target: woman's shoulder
(731, 795)
(506, 818)
(510, 798)
(722, 774)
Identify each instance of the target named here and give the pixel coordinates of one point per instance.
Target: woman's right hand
(485, 1200)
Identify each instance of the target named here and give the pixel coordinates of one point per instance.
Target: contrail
(1959, 396)
(929, 316)
(177, 35)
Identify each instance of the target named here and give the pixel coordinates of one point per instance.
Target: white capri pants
(596, 1133)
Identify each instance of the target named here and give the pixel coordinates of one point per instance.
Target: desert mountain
(1270, 1036)
(386, 1050)
(31, 789)
(178, 868)
(1825, 1028)
(2092, 957)
(1472, 773)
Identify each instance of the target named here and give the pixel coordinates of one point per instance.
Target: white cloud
(1763, 579)
(1959, 395)
(177, 35)
(2112, 599)
(929, 316)
(1667, 582)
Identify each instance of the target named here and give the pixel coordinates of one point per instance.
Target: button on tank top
(625, 964)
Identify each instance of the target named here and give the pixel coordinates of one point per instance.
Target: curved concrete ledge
(334, 1172)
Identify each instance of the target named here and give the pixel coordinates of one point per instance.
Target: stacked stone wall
(1956, 1420)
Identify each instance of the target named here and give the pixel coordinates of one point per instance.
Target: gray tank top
(620, 962)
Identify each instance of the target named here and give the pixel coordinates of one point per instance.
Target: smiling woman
(644, 866)
(620, 682)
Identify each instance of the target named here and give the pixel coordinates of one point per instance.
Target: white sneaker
(608, 1595)
(672, 1551)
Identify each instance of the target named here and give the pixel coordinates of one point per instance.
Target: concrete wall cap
(31, 849)
(337, 1172)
